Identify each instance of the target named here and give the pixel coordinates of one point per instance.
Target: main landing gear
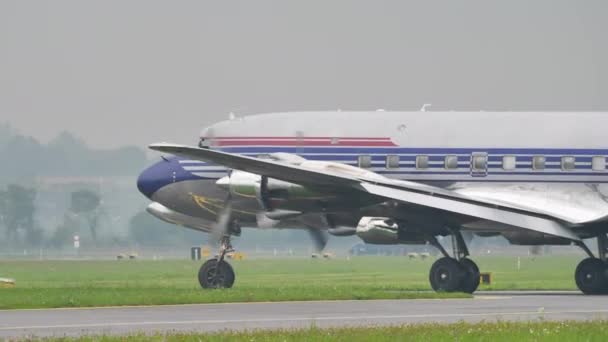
(591, 274)
(454, 274)
(217, 273)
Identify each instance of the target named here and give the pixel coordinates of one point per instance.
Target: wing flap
(501, 215)
(576, 204)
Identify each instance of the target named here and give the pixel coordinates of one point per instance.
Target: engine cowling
(281, 199)
(385, 231)
(378, 230)
(274, 195)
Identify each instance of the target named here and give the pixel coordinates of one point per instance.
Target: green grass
(43, 284)
(485, 331)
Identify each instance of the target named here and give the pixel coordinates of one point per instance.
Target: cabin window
(480, 162)
(509, 163)
(538, 162)
(422, 162)
(598, 163)
(365, 162)
(568, 163)
(392, 162)
(451, 162)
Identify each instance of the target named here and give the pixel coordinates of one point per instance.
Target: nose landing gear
(216, 273)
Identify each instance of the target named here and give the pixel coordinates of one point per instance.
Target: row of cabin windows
(480, 162)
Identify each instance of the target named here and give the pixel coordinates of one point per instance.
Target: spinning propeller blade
(319, 238)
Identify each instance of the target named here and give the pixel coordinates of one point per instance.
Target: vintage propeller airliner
(536, 178)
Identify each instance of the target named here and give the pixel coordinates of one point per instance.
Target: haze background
(135, 72)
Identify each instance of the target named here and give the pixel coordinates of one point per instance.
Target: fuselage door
(479, 164)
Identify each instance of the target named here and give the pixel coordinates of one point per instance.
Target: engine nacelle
(282, 199)
(378, 230)
(274, 195)
(385, 231)
(529, 238)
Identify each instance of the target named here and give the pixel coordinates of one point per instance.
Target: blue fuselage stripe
(523, 170)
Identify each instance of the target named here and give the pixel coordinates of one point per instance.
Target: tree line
(86, 214)
(82, 211)
(18, 212)
(25, 158)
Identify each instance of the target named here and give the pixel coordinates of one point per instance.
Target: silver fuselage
(441, 148)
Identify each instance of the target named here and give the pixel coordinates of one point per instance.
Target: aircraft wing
(402, 191)
(572, 203)
(272, 169)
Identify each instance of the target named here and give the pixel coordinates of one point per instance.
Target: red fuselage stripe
(294, 138)
(301, 141)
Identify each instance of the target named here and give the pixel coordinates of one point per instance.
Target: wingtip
(162, 146)
(155, 146)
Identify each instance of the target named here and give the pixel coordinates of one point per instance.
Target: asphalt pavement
(488, 306)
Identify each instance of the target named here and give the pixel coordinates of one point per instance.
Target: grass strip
(51, 284)
(484, 331)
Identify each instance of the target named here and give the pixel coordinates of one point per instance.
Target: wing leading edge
(272, 169)
(408, 192)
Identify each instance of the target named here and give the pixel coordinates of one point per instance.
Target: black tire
(470, 281)
(590, 276)
(214, 275)
(446, 275)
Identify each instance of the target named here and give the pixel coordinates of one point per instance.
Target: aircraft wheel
(214, 275)
(470, 281)
(591, 276)
(446, 275)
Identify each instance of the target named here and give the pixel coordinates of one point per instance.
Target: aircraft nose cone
(154, 178)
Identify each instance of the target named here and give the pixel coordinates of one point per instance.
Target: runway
(489, 306)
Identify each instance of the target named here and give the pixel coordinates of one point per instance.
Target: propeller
(222, 226)
(535, 250)
(265, 218)
(224, 217)
(319, 238)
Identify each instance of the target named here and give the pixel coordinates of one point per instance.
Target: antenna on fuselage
(234, 113)
(425, 106)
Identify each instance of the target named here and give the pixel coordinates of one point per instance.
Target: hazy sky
(135, 72)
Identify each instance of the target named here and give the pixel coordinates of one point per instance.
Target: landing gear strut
(454, 274)
(591, 274)
(216, 273)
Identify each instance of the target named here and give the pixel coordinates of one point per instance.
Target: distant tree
(19, 211)
(26, 157)
(3, 207)
(65, 156)
(35, 236)
(67, 141)
(6, 133)
(64, 232)
(87, 205)
(146, 229)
